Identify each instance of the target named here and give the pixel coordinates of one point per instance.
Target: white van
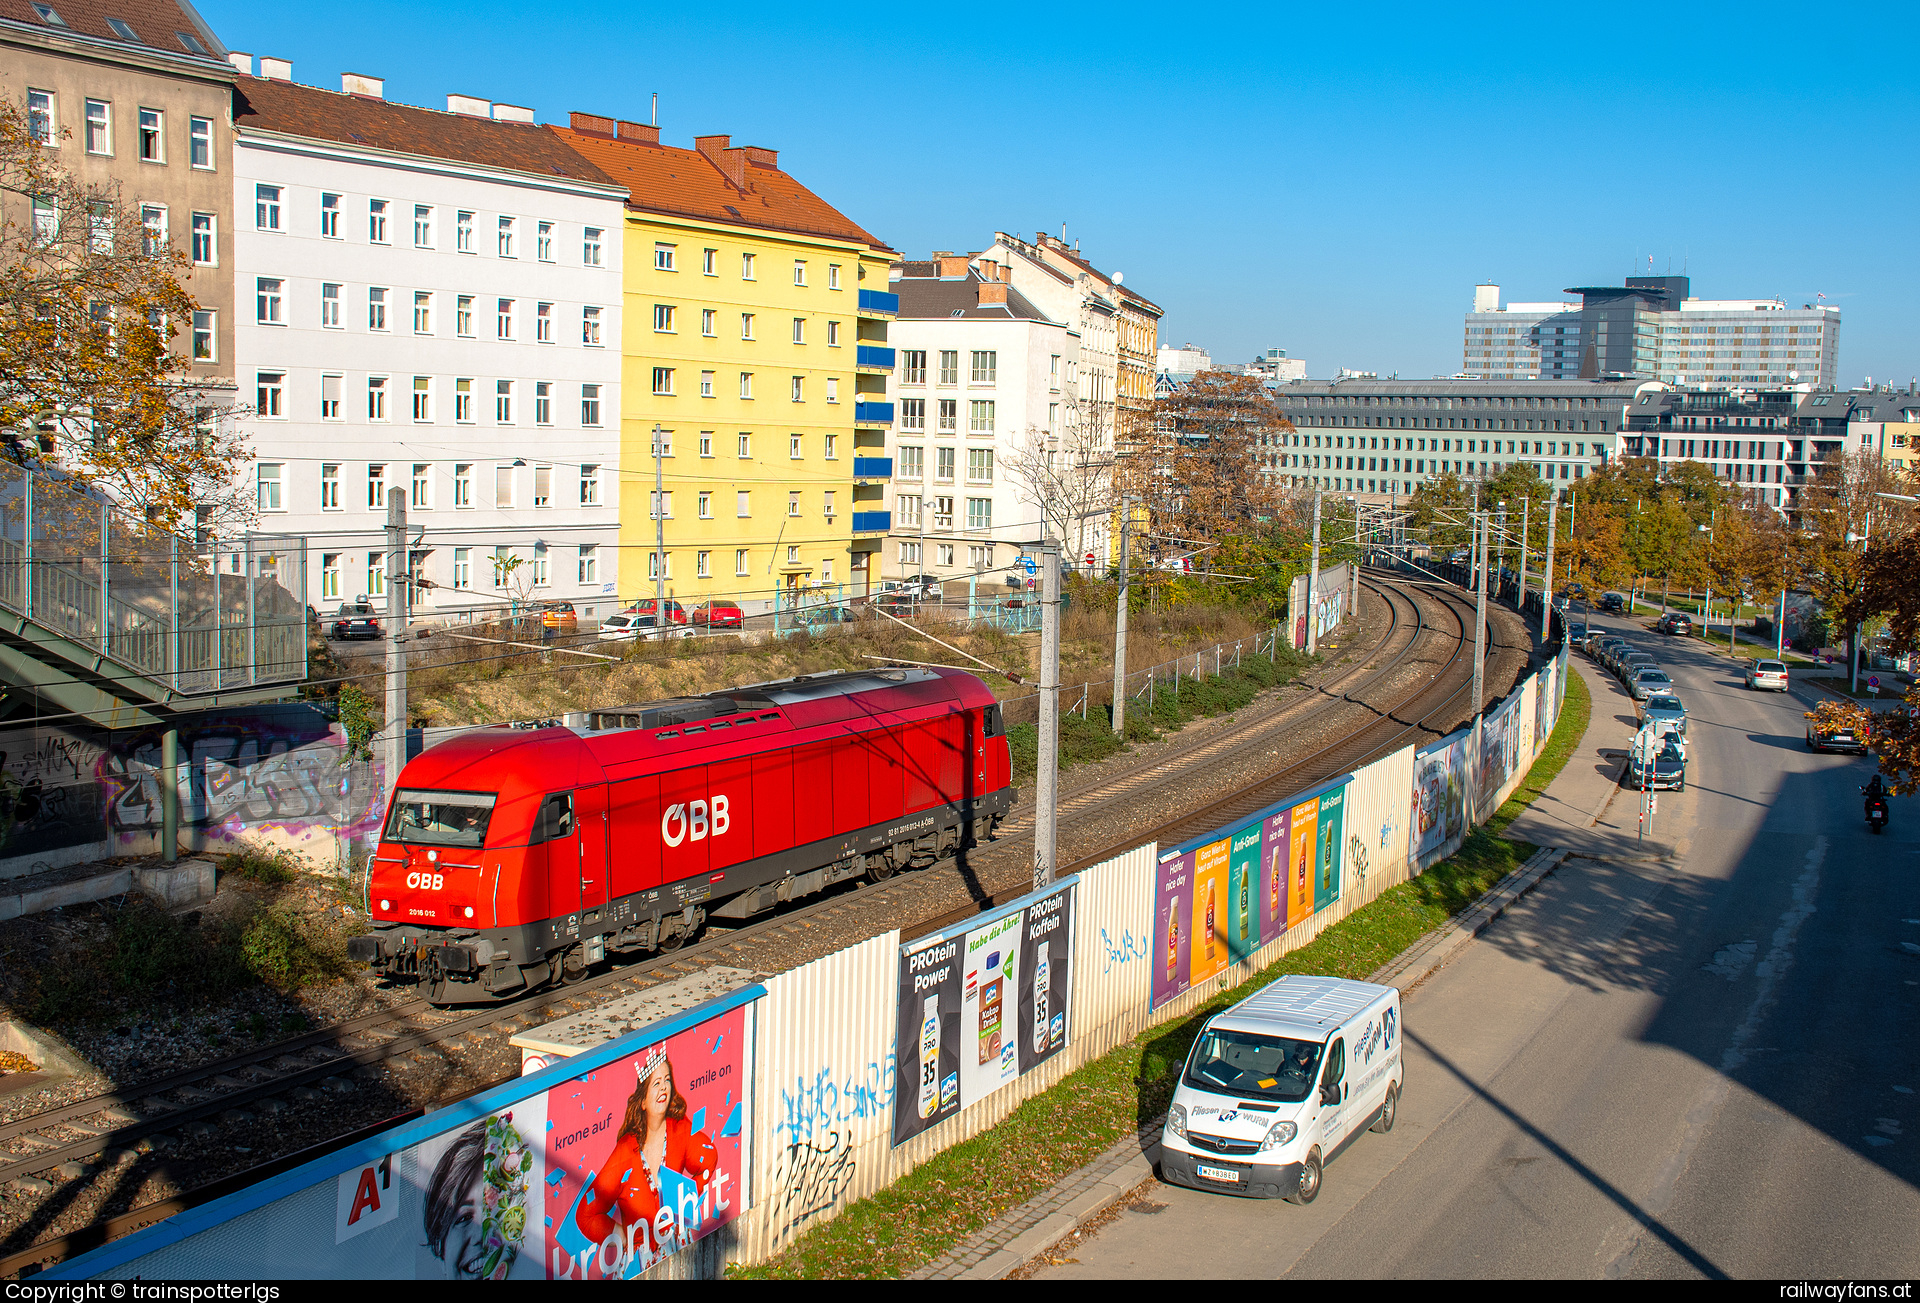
(1280, 1083)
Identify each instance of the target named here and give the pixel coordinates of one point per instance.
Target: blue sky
(1331, 180)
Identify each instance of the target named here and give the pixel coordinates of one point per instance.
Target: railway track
(58, 1147)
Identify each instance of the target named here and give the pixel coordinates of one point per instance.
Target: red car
(676, 613)
(719, 615)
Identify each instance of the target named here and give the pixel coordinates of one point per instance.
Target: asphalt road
(1694, 1055)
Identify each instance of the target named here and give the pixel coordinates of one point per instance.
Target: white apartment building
(429, 301)
(1652, 328)
(982, 378)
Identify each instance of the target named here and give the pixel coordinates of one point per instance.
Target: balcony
(873, 413)
(873, 356)
(878, 303)
(873, 468)
(872, 522)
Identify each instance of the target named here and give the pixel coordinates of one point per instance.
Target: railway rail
(60, 1143)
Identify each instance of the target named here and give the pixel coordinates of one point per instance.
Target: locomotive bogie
(512, 857)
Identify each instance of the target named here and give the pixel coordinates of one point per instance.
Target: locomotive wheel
(880, 867)
(573, 966)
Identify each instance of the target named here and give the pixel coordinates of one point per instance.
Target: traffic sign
(1028, 563)
(1873, 680)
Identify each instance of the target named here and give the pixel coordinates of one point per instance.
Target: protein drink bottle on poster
(1045, 989)
(927, 1036)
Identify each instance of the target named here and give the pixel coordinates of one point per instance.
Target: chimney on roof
(275, 69)
(470, 106)
(952, 266)
(761, 157)
(992, 291)
(942, 253)
(731, 162)
(354, 83)
(590, 123)
(241, 60)
(640, 133)
(512, 113)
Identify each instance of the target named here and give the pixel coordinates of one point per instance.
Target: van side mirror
(1330, 1093)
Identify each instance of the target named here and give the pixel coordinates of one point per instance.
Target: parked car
(825, 615)
(354, 620)
(1630, 663)
(1668, 769)
(559, 615)
(1613, 604)
(1650, 683)
(623, 627)
(1577, 634)
(676, 613)
(1675, 623)
(1663, 708)
(916, 585)
(1841, 738)
(1767, 674)
(719, 615)
(901, 605)
(1599, 646)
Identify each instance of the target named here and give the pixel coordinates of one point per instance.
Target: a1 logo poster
(1209, 923)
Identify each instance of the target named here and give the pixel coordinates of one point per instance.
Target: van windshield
(425, 818)
(1256, 1066)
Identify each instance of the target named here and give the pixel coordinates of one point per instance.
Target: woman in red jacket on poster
(655, 1134)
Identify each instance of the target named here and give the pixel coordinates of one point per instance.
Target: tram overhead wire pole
(1546, 594)
(1313, 580)
(1120, 625)
(1479, 673)
(1046, 784)
(399, 581)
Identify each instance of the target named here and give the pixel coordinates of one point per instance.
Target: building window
(949, 415)
(746, 266)
(422, 312)
(746, 325)
(832, 444)
(590, 485)
(543, 242)
(833, 334)
(663, 380)
(663, 318)
(706, 384)
(912, 462)
(833, 275)
(746, 384)
(330, 391)
(330, 306)
(980, 465)
(376, 574)
(463, 316)
(913, 366)
(203, 336)
(707, 316)
(793, 556)
(949, 366)
(833, 389)
(503, 486)
(590, 247)
(943, 553)
(798, 390)
(504, 239)
(913, 413)
(503, 565)
(205, 252)
(943, 464)
(100, 129)
(463, 232)
(376, 487)
(589, 564)
(266, 207)
(659, 565)
(267, 302)
(742, 504)
(793, 502)
(542, 402)
(590, 405)
(980, 418)
(543, 486)
(985, 364)
(705, 506)
(376, 309)
(663, 257)
(793, 447)
(799, 330)
(269, 387)
(41, 125)
(826, 506)
(746, 446)
(422, 496)
(503, 405)
(590, 327)
(463, 401)
(330, 487)
(740, 561)
(706, 443)
(503, 319)
(463, 484)
(152, 136)
(200, 143)
(376, 221)
(422, 226)
(463, 567)
(329, 576)
(943, 513)
(376, 398)
(423, 398)
(908, 505)
(543, 323)
(799, 272)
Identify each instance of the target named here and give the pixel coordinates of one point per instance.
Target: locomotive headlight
(469, 911)
(385, 905)
(433, 857)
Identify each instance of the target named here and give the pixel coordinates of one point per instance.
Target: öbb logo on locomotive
(512, 857)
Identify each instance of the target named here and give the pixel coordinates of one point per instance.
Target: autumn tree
(91, 304)
(1838, 514)
(1205, 472)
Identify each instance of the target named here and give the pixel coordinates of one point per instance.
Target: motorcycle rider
(1876, 793)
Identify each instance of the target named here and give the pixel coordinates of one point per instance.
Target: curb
(1021, 1234)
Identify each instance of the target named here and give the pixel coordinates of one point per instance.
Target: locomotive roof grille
(779, 692)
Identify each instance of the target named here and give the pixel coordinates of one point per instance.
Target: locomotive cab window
(995, 725)
(424, 818)
(555, 820)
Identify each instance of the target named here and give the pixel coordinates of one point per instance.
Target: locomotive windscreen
(424, 818)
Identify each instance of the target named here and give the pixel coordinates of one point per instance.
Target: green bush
(270, 866)
(281, 949)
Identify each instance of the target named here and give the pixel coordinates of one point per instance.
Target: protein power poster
(977, 1008)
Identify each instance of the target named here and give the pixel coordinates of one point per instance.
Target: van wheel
(1389, 1108)
(1309, 1188)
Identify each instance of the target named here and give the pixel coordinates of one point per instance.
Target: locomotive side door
(590, 830)
(555, 849)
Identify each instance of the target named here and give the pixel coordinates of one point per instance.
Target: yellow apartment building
(754, 329)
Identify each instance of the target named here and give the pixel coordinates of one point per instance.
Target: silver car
(1650, 683)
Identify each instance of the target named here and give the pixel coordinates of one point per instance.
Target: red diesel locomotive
(512, 856)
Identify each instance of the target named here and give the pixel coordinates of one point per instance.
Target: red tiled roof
(317, 114)
(157, 23)
(688, 183)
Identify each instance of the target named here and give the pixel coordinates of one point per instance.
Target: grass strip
(951, 1196)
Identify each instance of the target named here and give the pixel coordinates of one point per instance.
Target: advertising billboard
(1438, 815)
